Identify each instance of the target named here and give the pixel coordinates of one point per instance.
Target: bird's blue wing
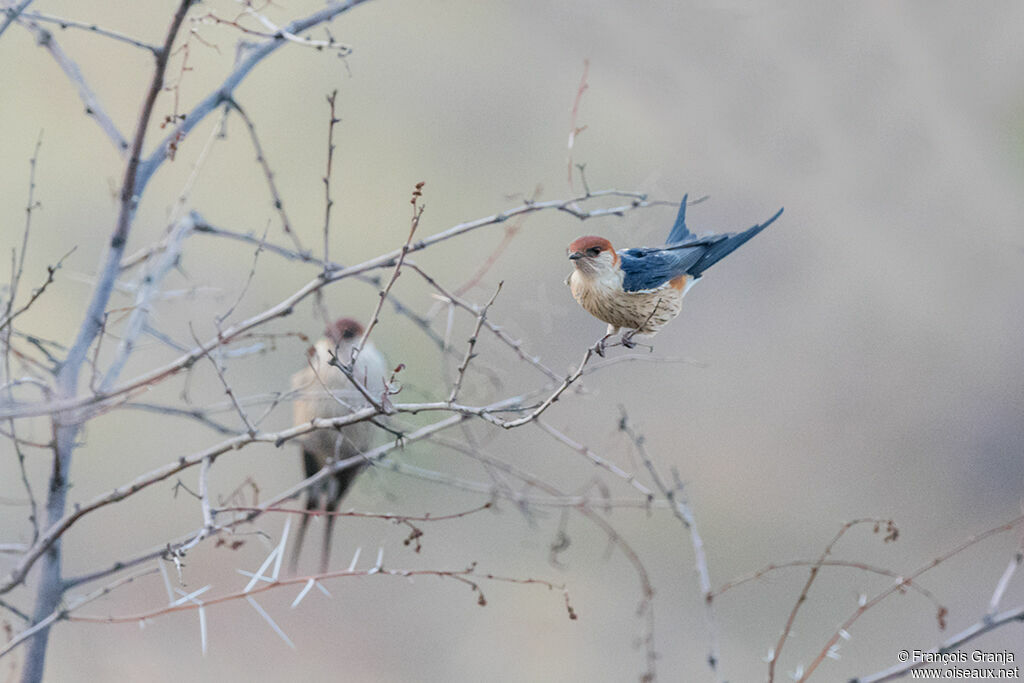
(647, 268)
(680, 233)
(650, 267)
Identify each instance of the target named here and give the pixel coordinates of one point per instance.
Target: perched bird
(642, 289)
(321, 390)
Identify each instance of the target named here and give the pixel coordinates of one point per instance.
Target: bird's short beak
(575, 256)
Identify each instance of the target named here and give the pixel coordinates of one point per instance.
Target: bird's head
(344, 332)
(593, 256)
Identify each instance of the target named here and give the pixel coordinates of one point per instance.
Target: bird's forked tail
(728, 244)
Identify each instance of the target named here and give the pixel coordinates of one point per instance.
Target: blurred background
(863, 357)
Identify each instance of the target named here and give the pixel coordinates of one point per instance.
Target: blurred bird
(323, 391)
(642, 289)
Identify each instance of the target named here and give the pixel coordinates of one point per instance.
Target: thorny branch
(466, 576)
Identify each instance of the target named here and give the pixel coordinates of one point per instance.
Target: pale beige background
(862, 357)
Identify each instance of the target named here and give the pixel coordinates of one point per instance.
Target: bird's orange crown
(344, 329)
(591, 245)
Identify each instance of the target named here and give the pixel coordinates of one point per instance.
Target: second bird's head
(344, 332)
(593, 256)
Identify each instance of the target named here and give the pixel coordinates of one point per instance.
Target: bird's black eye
(594, 251)
(348, 333)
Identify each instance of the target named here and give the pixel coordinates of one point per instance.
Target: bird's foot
(601, 344)
(627, 341)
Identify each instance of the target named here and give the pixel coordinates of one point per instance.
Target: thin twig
(72, 605)
(596, 459)
(684, 514)
(245, 288)
(985, 625)
(279, 32)
(463, 575)
(973, 632)
(91, 28)
(204, 493)
(268, 174)
(568, 382)
(249, 428)
(7, 330)
(481, 317)
(36, 293)
(575, 129)
(515, 345)
(85, 93)
(891, 535)
(645, 609)
(11, 14)
(417, 213)
(511, 231)
(203, 227)
(148, 288)
(1004, 581)
(191, 413)
(328, 202)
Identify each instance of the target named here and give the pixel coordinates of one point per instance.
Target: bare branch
(328, 202)
(130, 190)
(987, 624)
(471, 345)
(191, 413)
(684, 514)
(574, 128)
(846, 564)
(1004, 581)
(891, 535)
(417, 213)
(287, 305)
(463, 575)
(900, 583)
(46, 622)
(58, 527)
(36, 293)
(261, 159)
(92, 104)
(249, 428)
(144, 295)
(245, 288)
(511, 230)
(49, 590)
(645, 609)
(596, 459)
(253, 56)
(515, 345)
(11, 14)
(91, 28)
(554, 396)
